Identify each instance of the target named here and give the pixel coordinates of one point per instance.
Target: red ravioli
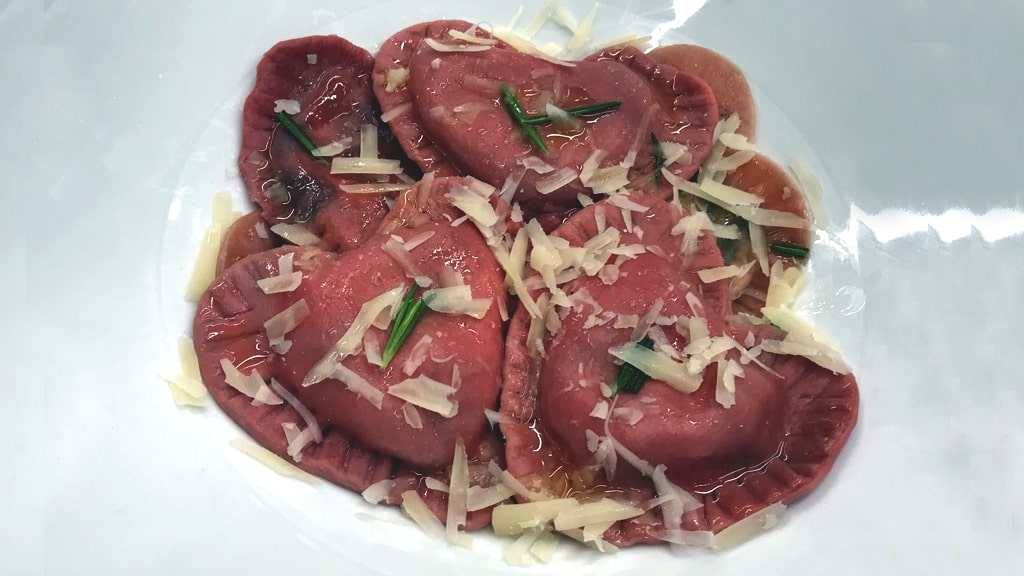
(486, 143)
(397, 96)
(330, 79)
(248, 235)
(362, 443)
(457, 121)
(777, 442)
(766, 179)
(724, 77)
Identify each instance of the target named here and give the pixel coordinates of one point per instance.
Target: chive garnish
(659, 157)
(409, 313)
(527, 123)
(579, 111)
(789, 249)
(631, 378)
(296, 131)
(516, 110)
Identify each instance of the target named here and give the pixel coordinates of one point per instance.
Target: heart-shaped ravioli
(725, 78)
(454, 115)
(639, 383)
(290, 342)
(322, 85)
(394, 92)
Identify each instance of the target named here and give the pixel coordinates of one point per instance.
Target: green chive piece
(659, 157)
(579, 111)
(296, 131)
(516, 110)
(631, 378)
(409, 314)
(790, 249)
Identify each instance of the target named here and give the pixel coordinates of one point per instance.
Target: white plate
(120, 124)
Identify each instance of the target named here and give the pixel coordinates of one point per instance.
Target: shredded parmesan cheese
(658, 365)
(417, 509)
(426, 393)
(536, 164)
(736, 141)
(762, 216)
(358, 385)
(581, 37)
(607, 180)
(512, 483)
(784, 285)
(400, 254)
(412, 416)
(287, 278)
(295, 233)
(412, 243)
(811, 189)
(367, 142)
(204, 269)
(709, 275)
(748, 527)
(725, 389)
(312, 428)
(365, 166)
(186, 391)
(759, 245)
(630, 415)
(418, 355)
(288, 106)
(539, 20)
(473, 205)
(728, 195)
(676, 500)
(378, 491)
(555, 181)
(690, 227)
(623, 201)
(471, 38)
(600, 511)
(511, 519)
(729, 163)
(271, 460)
(284, 322)
(396, 79)
(478, 498)
(674, 152)
(603, 449)
(372, 188)
(440, 47)
(297, 439)
(457, 300)
(252, 385)
(187, 388)
(352, 341)
(517, 552)
(816, 352)
(458, 487)
(332, 149)
(435, 484)
(543, 548)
